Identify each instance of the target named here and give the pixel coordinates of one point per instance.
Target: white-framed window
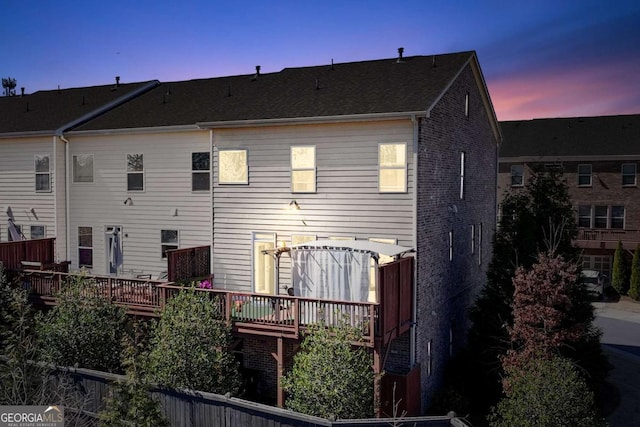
(303, 169)
(629, 171)
(473, 239)
(42, 169)
(200, 171)
(617, 217)
(37, 232)
(85, 247)
(135, 172)
(584, 175)
(584, 216)
(600, 216)
(168, 241)
(392, 168)
(462, 164)
(451, 246)
(382, 259)
(264, 267)
(517, 175)
(233, 167)
(342, 237)
(82, 168)
(297, 239)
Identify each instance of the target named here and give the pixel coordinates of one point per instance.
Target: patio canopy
(373, 248)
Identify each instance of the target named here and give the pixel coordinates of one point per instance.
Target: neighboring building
(599, 158)
(33, 166)
(400, 150)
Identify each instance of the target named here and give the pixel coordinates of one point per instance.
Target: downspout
(412, 335)
(67, 202)
(211, 195)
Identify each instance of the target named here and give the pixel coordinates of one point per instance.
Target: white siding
(346, 203)
(167, 187)
(18, 188)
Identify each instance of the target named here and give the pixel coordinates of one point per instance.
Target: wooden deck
(589, 238)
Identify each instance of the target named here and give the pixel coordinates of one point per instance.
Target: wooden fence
(189, 263)
(40, 250)
(197, 409)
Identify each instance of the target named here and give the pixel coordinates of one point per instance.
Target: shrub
(618, 279)
(634, 285)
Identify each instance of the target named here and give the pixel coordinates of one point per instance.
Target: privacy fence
(196, 409)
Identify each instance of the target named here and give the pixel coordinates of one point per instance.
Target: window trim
(582, 174)
(142, 172)
(299, 169)
(201, 172)
(47, 173)
(635, 174)
(404, 167)
(73, 169)
(166, 245)
(85, 247)
(521, 176)
(246, 166)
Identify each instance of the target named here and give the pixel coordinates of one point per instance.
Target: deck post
(110, 289)
(279, 356)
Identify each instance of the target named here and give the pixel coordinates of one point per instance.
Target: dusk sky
(542, 58)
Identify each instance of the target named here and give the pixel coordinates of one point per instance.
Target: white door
(264, 266)
(113, 249)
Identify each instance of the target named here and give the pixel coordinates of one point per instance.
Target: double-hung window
(303, 169)
(200, 171)
(601, 216)
(629, 174)
(43, 174)
(135, 172)
(85, 247)
(617, 217)
(584, 175)
(392, 168)
(584, 216)
(168, 241)
(83, 168)
(233, 167)
(517, 175)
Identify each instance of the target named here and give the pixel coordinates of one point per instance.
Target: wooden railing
(607, 238)
(248, 313)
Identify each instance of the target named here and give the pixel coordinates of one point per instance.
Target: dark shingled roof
(568, 137)
(381, 86)
(49, 110)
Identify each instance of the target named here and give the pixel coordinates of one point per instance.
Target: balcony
(590, 238)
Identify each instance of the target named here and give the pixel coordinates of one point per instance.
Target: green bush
(634, 285)
(330, 377)
(618, 279)
(189, 346)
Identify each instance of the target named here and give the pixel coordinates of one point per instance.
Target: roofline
(310, 120)
(108, 106)
(149, 129)
(484, 92)
(577, 158)
(27, 134)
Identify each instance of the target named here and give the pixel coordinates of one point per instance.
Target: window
(451, 246)
(168, 241)
(83, 168)
(628, 174)
(466, 105)
(200, 169)
(517, 175)
(341, 238)
(584, 216)
(392, 164)
(85, 247)
(38, 232)
(135, 172)
(601, 216)
(473, 238)
(43, 174)
(461, 175)
(297, 239)
(233, 167)
(598, 263)
(303, 169)
(617, 217)
(584, 175)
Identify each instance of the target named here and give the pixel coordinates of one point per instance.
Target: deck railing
(248, 313)
(608, 235)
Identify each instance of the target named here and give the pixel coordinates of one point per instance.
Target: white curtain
(331, 274)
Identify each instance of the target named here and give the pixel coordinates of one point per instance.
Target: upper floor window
(601, 216)
(462, 154)
(392, 164)
(517, 175)
(629, 174)
(83, 168)
(584, 216)
(233, 167)
(135, 172)
(43, 174)
(584, 175)
(617, 217)
(303, 169)
(168, 241)
(200, 171)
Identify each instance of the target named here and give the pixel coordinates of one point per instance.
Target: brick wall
(445, 288)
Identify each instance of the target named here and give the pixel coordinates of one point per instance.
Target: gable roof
(377, 87)
(52, 111)
(571, 137)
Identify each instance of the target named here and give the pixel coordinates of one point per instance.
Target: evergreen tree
(634, 285)
(618, 279)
